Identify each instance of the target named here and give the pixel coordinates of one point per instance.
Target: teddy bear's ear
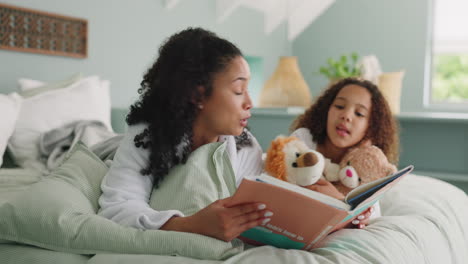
(279, 138)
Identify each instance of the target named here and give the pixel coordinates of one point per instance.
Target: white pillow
(87, 99)
(28, 84)
(9, 109)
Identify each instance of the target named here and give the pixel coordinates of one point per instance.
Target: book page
(364, 192)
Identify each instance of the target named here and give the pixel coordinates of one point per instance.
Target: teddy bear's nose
(307, 159)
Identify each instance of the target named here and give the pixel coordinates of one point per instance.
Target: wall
(395, 31)
(124, 37)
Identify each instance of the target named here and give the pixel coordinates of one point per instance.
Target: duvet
(424, 220)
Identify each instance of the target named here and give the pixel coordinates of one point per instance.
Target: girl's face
(348, 116)
(227, 110)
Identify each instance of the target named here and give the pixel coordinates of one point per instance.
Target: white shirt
(126, 192)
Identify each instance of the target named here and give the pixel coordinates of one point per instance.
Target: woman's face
(227, 110)
(348, 116)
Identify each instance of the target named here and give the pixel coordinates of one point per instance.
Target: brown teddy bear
(361, 164)
(289, 159)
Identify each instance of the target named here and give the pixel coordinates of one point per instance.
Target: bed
(49, 216)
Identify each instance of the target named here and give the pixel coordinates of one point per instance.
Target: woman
(194, 94)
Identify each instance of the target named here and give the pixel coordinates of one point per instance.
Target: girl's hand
(326, 187)
(362, 220)
(220, 220)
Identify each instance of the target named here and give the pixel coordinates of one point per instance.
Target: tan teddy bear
(361, 164)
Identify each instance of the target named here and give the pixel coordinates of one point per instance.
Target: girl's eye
(359, 114)
(238, 93)
(339, 106)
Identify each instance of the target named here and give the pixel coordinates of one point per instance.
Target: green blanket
(59, 211)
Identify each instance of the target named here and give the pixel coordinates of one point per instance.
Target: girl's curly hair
(170, 92)
(382, 129)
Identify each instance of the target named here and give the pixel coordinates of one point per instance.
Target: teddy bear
(289, 159)
(361, 164)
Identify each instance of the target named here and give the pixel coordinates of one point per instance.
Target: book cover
(302, 217)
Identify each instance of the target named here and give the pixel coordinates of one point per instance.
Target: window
(450, 52)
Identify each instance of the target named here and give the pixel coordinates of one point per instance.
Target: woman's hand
(220, 220)
(326, 187)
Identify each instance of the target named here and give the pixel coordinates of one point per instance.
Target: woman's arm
(221, 220)
(125, 192)
(126, 195)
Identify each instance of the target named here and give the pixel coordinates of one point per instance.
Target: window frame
(428, 101)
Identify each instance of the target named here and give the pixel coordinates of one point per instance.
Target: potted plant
(345, 67)
(389, 83)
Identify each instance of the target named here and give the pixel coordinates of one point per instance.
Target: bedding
(423, 221)
(59, 213)
(413, 229)
(26, 84)
(54, 144)
(86, 99)
(9, 109)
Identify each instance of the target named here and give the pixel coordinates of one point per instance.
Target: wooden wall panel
(28, 30)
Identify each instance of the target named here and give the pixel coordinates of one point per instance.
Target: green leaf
(343, 59)
(342, 67)
(354, 56)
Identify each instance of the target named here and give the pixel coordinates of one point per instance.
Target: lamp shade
(390, 84)
(286, 87)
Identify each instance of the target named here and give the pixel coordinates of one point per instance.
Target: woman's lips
(244, 122)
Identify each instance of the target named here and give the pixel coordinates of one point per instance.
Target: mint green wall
(395, 31)
(124, 37)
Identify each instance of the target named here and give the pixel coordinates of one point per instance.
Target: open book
(303, 217)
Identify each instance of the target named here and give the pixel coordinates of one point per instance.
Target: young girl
(348, 112)
(194, 94)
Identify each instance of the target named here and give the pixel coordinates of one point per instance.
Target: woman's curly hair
(170, 92)
(382, 129)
